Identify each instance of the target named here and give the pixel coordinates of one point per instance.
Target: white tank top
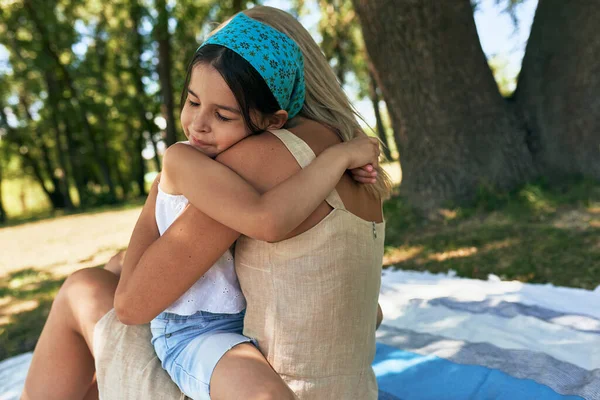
(218, 290)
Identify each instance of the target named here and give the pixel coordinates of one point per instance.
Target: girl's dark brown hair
(248, 87)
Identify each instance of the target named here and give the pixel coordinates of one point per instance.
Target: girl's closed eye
(193, 104)
(222, 118)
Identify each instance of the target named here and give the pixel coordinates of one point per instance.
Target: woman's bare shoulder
(316, 135)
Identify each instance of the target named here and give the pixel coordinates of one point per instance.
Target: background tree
(4, 154)
(343, 46)
(455, 131)
(91, 95)
(557, 90)
(163, 38)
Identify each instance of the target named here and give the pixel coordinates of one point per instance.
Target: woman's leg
(244, 373)
(63, 365)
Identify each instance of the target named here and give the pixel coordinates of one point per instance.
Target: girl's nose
(200, 122)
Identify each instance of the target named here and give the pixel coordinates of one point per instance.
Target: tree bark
(3, 216)
(140, 170)
(379, 122)
(56, 195)
(103, 133)
(557, 91)
(238, 5)
(60, 153)
(136, 70)
(452, 127)
(163, 38)
(73, 165)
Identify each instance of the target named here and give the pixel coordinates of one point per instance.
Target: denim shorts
(190, 346)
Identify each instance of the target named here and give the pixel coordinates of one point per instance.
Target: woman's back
(312, 298)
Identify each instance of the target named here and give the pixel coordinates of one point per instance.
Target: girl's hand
(364, 174)
(362, 151)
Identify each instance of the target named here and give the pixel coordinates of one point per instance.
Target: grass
(25, 300)
(537, 234)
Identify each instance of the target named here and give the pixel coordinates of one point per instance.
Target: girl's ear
(277, 120)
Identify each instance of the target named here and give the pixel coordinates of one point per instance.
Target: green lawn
(535, 234)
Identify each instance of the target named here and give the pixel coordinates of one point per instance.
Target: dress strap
(304, 156)
(298, 147)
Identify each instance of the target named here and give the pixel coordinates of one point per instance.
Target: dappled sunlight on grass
(537, 200)
(500, 244)
(401, 254)
(25, 300)
(534, 234)
(576, 219)
(445, 255)
(447, 214)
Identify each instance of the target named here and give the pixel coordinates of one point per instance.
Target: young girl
(231, 93)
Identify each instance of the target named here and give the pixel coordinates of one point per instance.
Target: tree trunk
(163, 38)
(136, 71)
(379, 123)
(56, 196)
(238, 5)
(103, 133)
(140, 170)
(123, 182)
(62, 159)
(451, 125)
(3, 216)
(138, 164)
(557, 92)
(70, 164)
(155, 148)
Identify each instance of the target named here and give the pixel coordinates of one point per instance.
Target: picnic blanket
(445, 337)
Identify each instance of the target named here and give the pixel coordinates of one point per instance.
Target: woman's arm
(223, 195)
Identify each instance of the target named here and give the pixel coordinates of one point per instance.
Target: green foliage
(79, 101)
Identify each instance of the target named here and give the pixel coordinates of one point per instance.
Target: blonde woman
(311, 297)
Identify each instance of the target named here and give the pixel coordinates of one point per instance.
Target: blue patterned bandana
(275, 56)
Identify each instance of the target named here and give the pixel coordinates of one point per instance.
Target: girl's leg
(244, 373)
(63, 365)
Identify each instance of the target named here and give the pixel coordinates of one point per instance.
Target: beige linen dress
(311, 306)
(312, 299)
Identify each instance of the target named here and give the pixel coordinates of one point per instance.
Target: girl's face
(211, 117)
